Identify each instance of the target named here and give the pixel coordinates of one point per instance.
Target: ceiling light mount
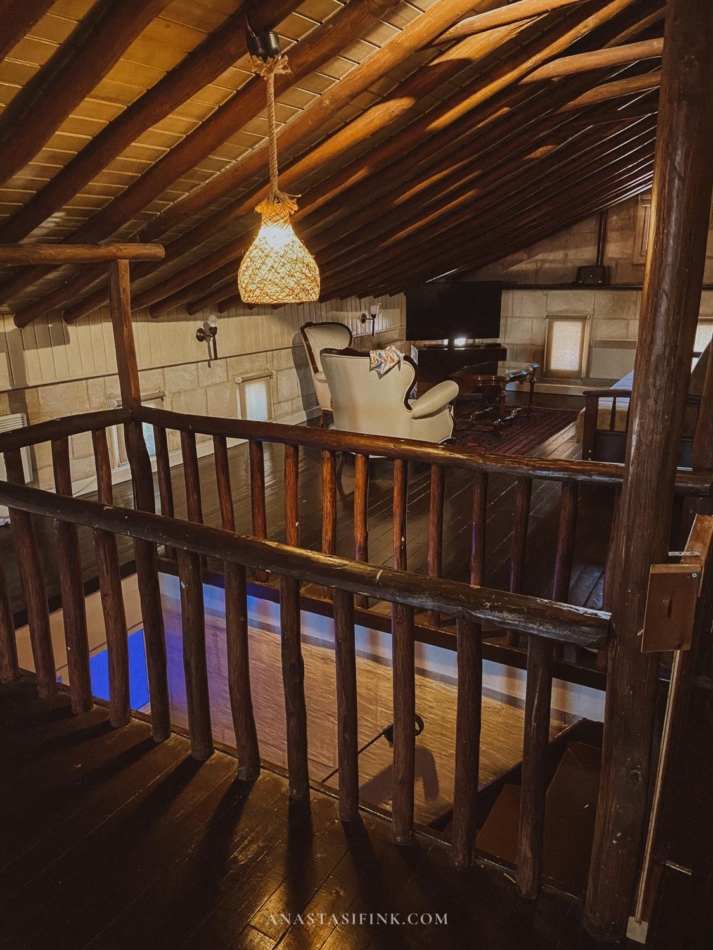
(264, 45)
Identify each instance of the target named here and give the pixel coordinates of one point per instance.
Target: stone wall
(613, 311)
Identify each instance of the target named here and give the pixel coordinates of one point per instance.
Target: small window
(704, 334)
(564, 352)
(254, 396)
(643, 229)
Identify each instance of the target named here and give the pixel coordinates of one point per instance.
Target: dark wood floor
(109, 841)
(592, 534)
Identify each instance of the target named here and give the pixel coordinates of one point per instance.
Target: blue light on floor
(138, 676)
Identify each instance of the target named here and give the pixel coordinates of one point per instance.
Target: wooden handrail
(601, 473)
(520, 612)
(19, 255)
(61, 428)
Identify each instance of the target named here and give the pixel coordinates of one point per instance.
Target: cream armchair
(317, 337)
(365, 402)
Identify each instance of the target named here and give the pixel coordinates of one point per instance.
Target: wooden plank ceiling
(423, 137)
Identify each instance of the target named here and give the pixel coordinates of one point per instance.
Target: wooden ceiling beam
(451, 66)
(472, 255)
(395, 51)
(566, 35)
(493, 194)
(443, 239)
(203, 65)
(503, 74)
(26, 254)
(509, 13)
(318, 47)
(400, 156)
(615, 90)
(597, 59)
(50, 96)
(18, 19)
(497, 219)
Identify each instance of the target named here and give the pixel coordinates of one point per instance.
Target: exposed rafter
(68, 77)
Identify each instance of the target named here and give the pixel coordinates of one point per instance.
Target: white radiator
(17, 420)
(611, 359)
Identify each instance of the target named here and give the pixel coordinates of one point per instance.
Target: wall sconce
(372, 315)
(208, 333)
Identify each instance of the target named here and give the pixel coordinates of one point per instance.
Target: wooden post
(683, 183)
(404, 690)
(236, 630)
(538, 701)
(347, 717)
(435, 530)
(33, 584)
(194, 657)
(292, 495)
(467, 754)
(69, 563)
(523, 494)
(9, 669)
(142, 477)
(361, 523)
(293, 676)
(257, 497)
(112, 597)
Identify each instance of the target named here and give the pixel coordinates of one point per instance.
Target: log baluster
(222, 478)
(477, 548)
(609, 568)
(292, 517)
(163, 474)
(329, 508)
(191, 474)
(347, 719)
(9, 668)
(523, 495)
(467, 752)
(293, 682)
(538, 700)
(404, 697)
(361, 527)
(399, 513)
(112, 600)
(435, 531)
(33, 584)
(69, 564)
(236, 631)
(468, 705)
(241, 705)
(195, 668)
(257, 497)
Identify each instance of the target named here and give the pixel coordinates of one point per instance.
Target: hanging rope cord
(268, 69)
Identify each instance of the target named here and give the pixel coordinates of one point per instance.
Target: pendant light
(277, 268)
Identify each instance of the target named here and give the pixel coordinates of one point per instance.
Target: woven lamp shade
(277, 268)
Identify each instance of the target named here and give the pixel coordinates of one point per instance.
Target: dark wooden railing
(350, 582)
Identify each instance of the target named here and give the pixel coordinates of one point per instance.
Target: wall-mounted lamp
(372, 315)
(208, 333)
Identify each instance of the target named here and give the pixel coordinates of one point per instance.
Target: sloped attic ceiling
(422, 137)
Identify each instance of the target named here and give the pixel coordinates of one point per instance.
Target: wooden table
(493, 387)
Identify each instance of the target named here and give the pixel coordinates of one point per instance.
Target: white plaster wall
(51, 369)
(613, 311)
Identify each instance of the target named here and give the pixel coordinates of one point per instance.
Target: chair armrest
(435, 399)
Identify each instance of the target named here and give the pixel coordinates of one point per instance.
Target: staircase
(570, 812)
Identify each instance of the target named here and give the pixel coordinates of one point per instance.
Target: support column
(683, 181)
